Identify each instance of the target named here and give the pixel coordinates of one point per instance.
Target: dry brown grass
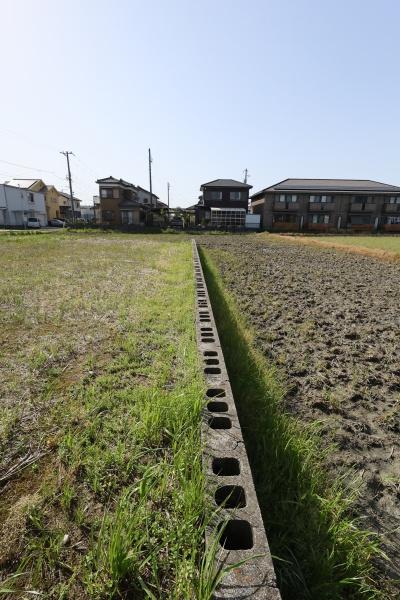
(355, 244)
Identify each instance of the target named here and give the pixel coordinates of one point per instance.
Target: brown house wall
(226, 202)
(342, 207)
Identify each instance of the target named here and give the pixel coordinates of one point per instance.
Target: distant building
(88, 213)
(97, 209)
(328, 205)
(125, 204)
(18, 204)
(58, 204)
(223, 204)
(65, 208)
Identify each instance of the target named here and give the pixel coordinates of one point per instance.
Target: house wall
(53, 201)
(18, 204)
(344, 214)
(114, 218)
(226, 202)
(144, 197)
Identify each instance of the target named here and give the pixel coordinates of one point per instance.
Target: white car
(33, 223)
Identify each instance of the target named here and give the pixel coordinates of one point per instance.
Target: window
(392, 200)
(287, 198)
(108, 215)
(285, 218)
(360, 220)
(320, 219)
(106, 192)
(392, 220)
(360, 199)
(216, 195)
(31, 197)
(127, 217)
(321, 199)
(228, 218)
(234, 195)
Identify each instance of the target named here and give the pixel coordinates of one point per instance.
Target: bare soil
(331, 320)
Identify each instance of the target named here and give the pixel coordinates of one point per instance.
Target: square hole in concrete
(230, 496)
(215, 393)
(226, 467)
(218, 407)
(236, 535)
(212, 361)
(212, 370)
(210, 353)
(220, 423)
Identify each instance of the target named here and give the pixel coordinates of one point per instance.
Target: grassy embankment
(320, 553)
(380, 246)
(101, 486)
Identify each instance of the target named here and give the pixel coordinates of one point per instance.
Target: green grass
(320, 551)
(102, 389)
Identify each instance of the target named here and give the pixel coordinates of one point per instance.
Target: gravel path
(332, 321)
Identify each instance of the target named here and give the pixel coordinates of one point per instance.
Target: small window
(234, 195)
(216, 195)
(392, 220)
(31, 197)
(285, 218)
(106, 192)
(288, 198)
(392, 200)
(321, 199)
(360, 199)
(320, 219)
(108, 215)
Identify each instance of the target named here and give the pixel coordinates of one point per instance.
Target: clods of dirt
(331, 321)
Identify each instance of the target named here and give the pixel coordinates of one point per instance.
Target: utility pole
(245, 175)
(168, 186)
(151, 184)
(67, 153)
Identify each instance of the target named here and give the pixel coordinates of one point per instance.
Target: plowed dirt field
(331, 320)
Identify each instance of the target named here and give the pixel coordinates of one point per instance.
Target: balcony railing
(286, 206)
(391, 208)
(321, 206)
(362, 207)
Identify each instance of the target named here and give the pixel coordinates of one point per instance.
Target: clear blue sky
(286, 88)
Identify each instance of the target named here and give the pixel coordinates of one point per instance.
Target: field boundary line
(243, 551)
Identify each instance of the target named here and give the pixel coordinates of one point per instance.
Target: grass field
(373, 245)
(101, 486)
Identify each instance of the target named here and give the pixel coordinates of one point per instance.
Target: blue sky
(286, 88)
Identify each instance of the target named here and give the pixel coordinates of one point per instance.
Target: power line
(30, 168)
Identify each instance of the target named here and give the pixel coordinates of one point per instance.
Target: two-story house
(124, 204)
(223, 204)
(58, 204)
(328, 205)
(18, 204)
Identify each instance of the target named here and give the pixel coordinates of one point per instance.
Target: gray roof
(226, 183)
(22, 183)
(112, 180)
(330, 185)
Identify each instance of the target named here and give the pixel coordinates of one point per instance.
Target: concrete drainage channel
(229, 480)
